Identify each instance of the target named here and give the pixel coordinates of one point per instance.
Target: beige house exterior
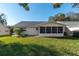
(35, 28)
(30, 31)
(55, 29)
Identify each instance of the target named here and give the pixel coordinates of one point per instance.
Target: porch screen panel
(60, 29)
(42, 29)
(54, 29)
(48, 29)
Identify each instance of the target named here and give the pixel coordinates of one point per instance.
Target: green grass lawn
(38, 46)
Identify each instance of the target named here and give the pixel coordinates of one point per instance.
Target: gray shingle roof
(51, 24)
(70, 23)
(24, 24)
(29, 23)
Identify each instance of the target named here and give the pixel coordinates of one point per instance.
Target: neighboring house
(4, 30)
(72, 27)
(57, 29)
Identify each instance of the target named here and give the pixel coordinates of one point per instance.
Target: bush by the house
(17, 31)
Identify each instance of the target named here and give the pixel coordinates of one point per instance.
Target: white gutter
(74, 29)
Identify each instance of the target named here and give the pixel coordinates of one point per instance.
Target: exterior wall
(4, 33)
(68, 32)
(33, 31)
(30, 31)
(4, 30)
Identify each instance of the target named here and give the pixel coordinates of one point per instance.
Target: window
(6, 30)
(60, 29)
(36, 28)
(42, 29)
(54, 29)
(24, 30)
(48, 29)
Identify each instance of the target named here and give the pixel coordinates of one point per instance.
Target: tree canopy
(18, 31)
(58, 5)
(57, 17)
(60, 16)
(55, 5)
(70, 16)
(25, 6)
(3, 19)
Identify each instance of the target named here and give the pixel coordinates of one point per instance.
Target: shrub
(18, 31)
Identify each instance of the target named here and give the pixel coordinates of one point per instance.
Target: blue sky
(37, 12)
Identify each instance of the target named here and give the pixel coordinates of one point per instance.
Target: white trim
(52, 35)
(74, 29)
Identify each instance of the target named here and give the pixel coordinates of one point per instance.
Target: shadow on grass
(68, 37)
(17, 49)
(65, 37)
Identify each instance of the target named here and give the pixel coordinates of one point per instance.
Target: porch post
(57, 30)
(45, 29)
(38, 30)
(63, 30)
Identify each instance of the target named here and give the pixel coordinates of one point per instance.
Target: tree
(11, 30)
(18, 31)
(25, 6)
(55, 5)
(3, 19)
(57, 17)
(60, 17)
(70, 16)
(58, 5)
(51, 19)
(67, 18)
(73, 16)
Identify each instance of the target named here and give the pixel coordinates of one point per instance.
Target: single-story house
(56, 29)
(4, 30)
(41, 28)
